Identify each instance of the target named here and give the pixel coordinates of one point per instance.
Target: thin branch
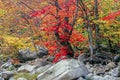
(30, 31)
(27, 6)
(76, 13)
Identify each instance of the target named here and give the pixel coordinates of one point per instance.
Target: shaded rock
(1, 78)
(11, 78)
(7, 74)
(25, 55)
(117, 58)
(26, 68)
(42, 51)
(94, 60)
(21, 79)
(64, 70)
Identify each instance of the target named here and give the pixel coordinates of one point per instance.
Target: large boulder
(64, 70)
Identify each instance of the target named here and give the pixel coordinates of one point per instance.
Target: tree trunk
(96, 25)
(90, 39)
(88, 26)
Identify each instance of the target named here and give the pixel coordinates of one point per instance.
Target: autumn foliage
(65, 27)
(55, 24)
(112, 16)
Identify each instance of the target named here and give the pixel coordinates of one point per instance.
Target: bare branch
(27, 6)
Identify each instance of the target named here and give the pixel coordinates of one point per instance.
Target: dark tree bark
(96, 25)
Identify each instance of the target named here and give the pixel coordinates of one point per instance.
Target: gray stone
(111, 65)
(11, 78)
(42, 51)
(100, 71)
(41, 69)
(82, 57)
(26, 68)
(106, 77)
(64, 70)
(26, 55)
(118, 78)
(1, 78)
(50, 58)
(117, 58)
(7, 74)
(97, 78)
(21, 79)
(7, 64)
(89, 76)
(114, 72)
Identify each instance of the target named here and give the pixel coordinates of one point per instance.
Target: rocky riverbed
(69, 69)
(82, 68)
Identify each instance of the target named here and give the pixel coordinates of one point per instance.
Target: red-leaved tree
(58, 19)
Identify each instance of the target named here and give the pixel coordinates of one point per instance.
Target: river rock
(26, 68)
(64, 70)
